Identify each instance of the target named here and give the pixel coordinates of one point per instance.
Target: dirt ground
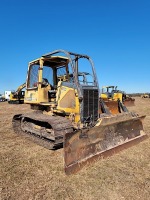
(30, 172)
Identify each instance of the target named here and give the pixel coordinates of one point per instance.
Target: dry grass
(29, 171)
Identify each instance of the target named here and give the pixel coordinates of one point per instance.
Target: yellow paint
(115, 96)
(66, 97)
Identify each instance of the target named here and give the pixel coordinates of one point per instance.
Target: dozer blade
(129, 102)
(112, 106)
(103, 140)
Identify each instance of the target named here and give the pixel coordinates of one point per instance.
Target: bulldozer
(17, 97)
(112, 93)
(67, 111)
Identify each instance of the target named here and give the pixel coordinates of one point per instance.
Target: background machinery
(2, 98)
(146, 95)
(67, 111)
(17, 97)
(112, 93)
(7, 94)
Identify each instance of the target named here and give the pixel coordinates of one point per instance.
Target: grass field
(30, 172)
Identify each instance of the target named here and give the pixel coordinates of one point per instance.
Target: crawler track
(47, 131)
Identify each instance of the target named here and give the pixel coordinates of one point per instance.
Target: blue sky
(114, 33)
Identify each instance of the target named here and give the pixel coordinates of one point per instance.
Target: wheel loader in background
(112, 93)
(17, 97)
(68, 113)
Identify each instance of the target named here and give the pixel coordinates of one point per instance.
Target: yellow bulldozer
(112, 93)
(17, 97)
(67, 111)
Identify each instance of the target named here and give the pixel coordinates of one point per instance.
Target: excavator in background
(67, 111)
(112, 93)
(17, 97)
